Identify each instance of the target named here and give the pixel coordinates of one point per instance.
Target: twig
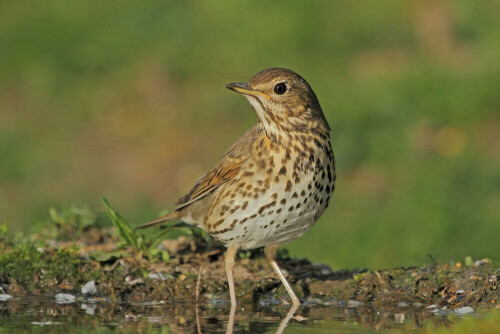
(198, 284)
(379, 277)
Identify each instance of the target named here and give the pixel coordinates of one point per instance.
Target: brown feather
(227, 169)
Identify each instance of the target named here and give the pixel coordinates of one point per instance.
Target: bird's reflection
(232, 315)
(283, 323)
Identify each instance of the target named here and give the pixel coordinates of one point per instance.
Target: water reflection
(269, 316)
(281, 327)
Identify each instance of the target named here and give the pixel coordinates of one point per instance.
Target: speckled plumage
(275, 182)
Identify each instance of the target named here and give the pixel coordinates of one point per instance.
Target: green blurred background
(126, 99)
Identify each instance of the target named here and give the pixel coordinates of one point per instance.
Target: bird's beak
(243, 88)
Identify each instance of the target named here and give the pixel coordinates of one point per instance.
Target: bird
(274, 183)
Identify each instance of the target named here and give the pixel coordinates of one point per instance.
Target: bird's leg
(270, 252)
(230, 262)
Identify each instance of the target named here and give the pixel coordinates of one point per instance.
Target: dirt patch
(194, 274)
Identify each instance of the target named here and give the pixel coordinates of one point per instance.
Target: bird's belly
(277, 216)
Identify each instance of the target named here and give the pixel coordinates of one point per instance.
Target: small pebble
(4, 297)
(163, 277)
(89, 288)
(131, 281)
(459, 292)
(443, 311)
(399, 318)
(325, 270)
(479, 263)
(402, 304)
(64, 298)
(432, 306)
(89, 308)
(464, 310)
(44, 323)
(353, 303)
(131, 317)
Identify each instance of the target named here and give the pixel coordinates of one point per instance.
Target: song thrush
(275, 182)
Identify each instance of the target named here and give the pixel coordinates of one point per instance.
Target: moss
(30, 264)
(359, 277)
(21, 263)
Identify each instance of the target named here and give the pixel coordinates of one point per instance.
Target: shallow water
(102, 316)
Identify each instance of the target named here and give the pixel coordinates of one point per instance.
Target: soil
(196, 275)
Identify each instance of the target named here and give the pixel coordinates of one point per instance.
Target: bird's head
(284, 102)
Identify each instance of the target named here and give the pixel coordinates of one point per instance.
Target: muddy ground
(195, 274)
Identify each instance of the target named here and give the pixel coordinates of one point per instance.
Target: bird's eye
(280, 88)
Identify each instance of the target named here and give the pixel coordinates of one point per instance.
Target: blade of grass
(126, 233)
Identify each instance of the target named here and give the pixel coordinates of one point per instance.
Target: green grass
(145, 244)
(126, 100)
(141, 245)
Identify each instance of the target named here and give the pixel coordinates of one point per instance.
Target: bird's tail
(168, 217)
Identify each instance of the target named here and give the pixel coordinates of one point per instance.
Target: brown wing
(227, 169)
